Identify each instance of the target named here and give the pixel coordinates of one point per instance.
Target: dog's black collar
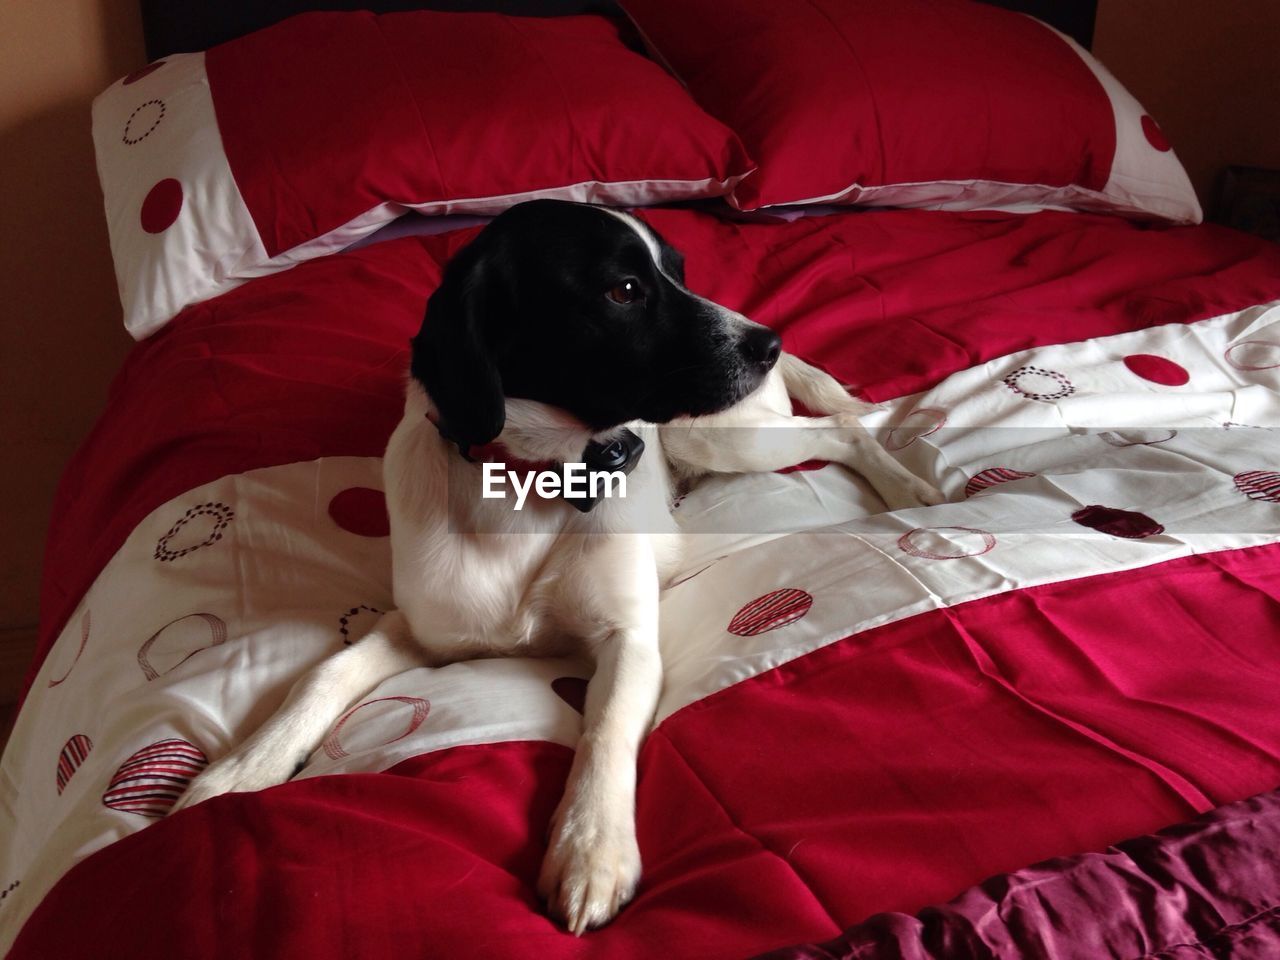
(618, 455)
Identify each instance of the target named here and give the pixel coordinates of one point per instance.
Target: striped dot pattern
(70, 758)
(150, 782)
(770, 612)
(1259, 485)
(985, 479)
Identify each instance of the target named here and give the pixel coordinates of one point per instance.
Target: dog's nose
(761, 345)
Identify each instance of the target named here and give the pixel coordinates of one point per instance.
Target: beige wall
(1207, 71)
(60, 330)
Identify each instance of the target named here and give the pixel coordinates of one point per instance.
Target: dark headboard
(184, 27)
(1072, 17)
(170, 27)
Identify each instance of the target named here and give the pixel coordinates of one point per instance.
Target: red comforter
(886, 771)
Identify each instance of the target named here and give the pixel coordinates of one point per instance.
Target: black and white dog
(560, 325)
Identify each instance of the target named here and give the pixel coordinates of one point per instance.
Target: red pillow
(921, 103)
(299, 139)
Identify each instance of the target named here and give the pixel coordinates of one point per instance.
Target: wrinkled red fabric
(883, 772)
(1202, 889)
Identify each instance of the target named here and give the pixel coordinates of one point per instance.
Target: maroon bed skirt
(1206, 888)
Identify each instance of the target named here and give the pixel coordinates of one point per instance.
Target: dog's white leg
(822, 393)
(760, 434)
(817, 389)
(898, 487)
(283, 743)
(592, 863)
(772, 442)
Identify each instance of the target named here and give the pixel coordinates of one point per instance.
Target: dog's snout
(762, 346)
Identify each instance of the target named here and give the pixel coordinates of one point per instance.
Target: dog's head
(583, 308)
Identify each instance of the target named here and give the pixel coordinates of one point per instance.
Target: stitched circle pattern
(70, 757)
(773, 610)
(84, 639)
(146, 123)
(213, 516)
(10, 888)
(1252, 355)
(1259, 485)
(1159, 370)
(161, 207)
(1037, 383)
(419, 709)
(992, 476)
(1155, 136)
(946, 543)
(344, 621)
(915, 425)
(1127, 524)
(176, 640)
(152, 780)
(142, 72)
(572, 690)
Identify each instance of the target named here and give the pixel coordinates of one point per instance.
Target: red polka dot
(362, 511)
(1254, 484)
(1117, 523)
(1155, 136)
(773, 610)
(150, 781)
(1157, 369)
(162, 206)
(572, 690)
(985, 479)
(137, 75)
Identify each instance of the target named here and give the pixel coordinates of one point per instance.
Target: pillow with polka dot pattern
(300, 139)
(945, 104)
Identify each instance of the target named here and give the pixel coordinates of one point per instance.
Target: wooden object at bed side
(1248, 199)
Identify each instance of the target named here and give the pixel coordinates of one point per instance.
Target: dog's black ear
(453, 353)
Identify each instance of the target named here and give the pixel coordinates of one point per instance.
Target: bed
(1039, 720)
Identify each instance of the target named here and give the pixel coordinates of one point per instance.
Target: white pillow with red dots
(303, 138)
(945, 104)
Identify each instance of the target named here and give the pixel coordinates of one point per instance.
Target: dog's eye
(628, 291)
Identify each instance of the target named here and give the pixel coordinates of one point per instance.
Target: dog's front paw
(913, 492)
(237, 772)
(591, 868)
